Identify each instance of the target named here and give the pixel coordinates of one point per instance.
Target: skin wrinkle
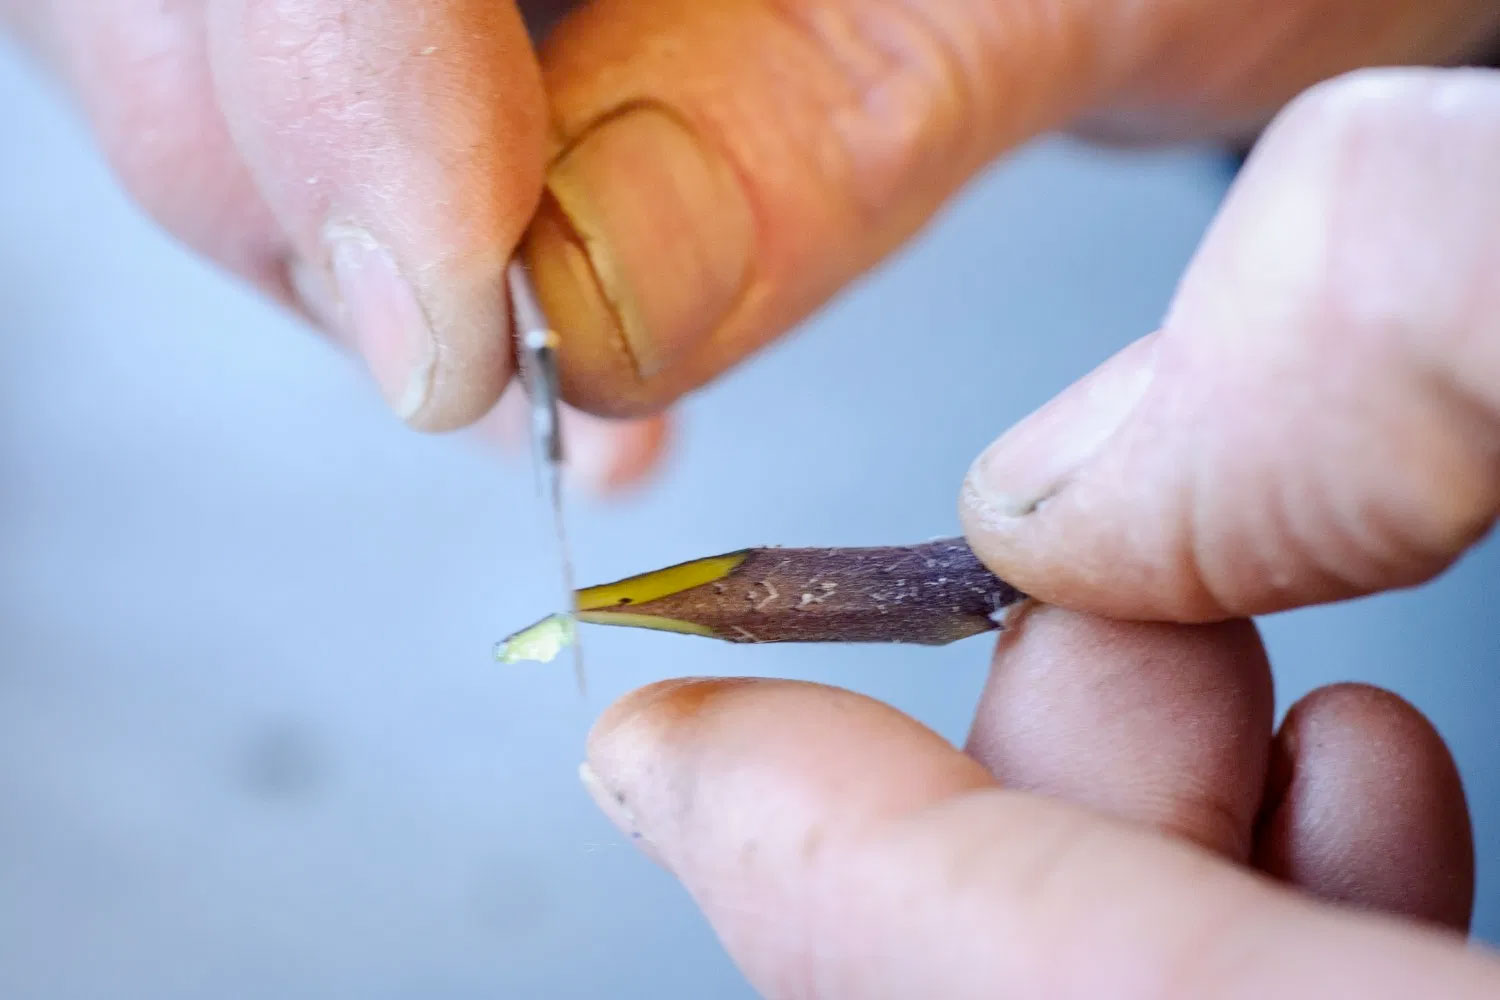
(1349, 550)
(1295, 504)
(1078, 48)
(1355, 547)
(1046, 888)
(1210, 599)
(832, 98)
(1207, 585)
(1215, 949)
(1356, 551)
(1402, 329)
(904, 78)
(1359, 545)
(959, 82)
(805, 975)
(962, 877)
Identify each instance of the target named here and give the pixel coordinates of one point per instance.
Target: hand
(713, 171)
(1318, 417)
(1123, 825)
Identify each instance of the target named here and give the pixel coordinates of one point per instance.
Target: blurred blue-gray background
(251, 742)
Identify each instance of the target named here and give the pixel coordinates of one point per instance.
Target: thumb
(1319, 417)
(721, 169)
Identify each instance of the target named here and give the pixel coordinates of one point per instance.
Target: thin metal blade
(536, 354)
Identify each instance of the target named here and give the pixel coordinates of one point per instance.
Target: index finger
(843, 850)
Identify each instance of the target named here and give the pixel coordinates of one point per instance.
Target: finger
(603, 457)
(843, 850)
(1366, 807)
(406, 137)
(1163, 725)
(399, 146)
(724, 168)
(1319, 416)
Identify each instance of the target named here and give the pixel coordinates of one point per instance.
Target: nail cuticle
(384, 318)
(1034, 462)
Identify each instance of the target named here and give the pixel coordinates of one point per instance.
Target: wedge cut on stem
(929, 594)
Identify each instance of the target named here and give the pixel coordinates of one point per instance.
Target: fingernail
(310, 288)
(646, 233)
(384, 319)
(616, 808)
(1036, 458)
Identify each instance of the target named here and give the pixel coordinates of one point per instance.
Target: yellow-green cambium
(539, 643)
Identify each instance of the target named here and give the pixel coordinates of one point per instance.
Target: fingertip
(1082, 504)
(689, 753)
(1039, 457)
(636, 725)
(401, 150)
(1366, 807)
(438, 349)
(1161, 725)
(648, 745)
(471, 358)
(733, 721)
